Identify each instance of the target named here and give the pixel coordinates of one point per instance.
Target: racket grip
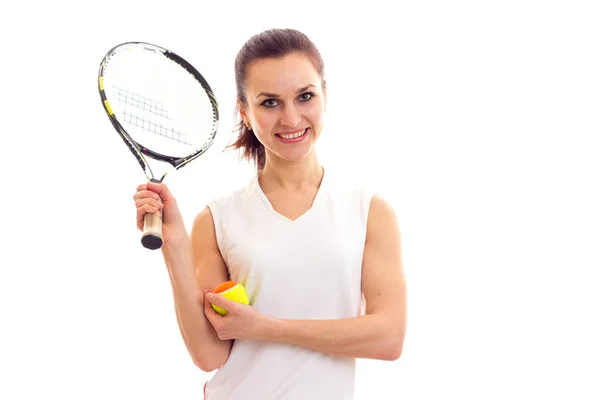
(152, 234)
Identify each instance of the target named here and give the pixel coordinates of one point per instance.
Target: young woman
(321, 261)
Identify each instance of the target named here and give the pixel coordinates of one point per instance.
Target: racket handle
(152, 234)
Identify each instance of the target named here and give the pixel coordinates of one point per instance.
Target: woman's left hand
(241, 322)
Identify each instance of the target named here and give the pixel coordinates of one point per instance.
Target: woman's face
(286, 103)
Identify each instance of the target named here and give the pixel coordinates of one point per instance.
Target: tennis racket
(163, 109)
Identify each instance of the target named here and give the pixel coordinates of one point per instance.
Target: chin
(295, 157)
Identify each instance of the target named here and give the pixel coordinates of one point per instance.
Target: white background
(478, 120)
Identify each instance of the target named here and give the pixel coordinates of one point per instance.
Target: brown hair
(273, 43)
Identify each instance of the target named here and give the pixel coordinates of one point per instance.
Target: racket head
(161, 106)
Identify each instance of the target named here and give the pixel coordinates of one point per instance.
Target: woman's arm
(379, 334)
(195, 264)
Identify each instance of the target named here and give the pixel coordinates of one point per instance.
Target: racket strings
(153, 127)
(151, 106)
(141, 102)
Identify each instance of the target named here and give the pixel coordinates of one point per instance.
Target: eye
(269, 103)
(306, 96)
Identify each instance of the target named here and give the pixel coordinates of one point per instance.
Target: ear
(324, 96)
(243, 112)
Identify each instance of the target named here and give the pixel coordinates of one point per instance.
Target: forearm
(204, 346)
(367, 336)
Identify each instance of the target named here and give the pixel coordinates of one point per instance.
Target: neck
(280, 174)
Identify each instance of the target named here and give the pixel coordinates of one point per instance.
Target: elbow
(390, 349)
(206, 369)
(206, 365)
(394, 343)
(394, 351)
(209, 363)
(203, 366)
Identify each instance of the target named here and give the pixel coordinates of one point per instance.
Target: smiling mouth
(289, 136)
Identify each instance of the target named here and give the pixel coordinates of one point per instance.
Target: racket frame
(152, 231)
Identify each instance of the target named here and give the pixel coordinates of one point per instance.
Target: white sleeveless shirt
(308, 268)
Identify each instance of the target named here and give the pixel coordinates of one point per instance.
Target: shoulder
(356, 192)
(219, 206)
(381, 209)
(212, 221)
(227, 203)
(382, 221)
(362, 192)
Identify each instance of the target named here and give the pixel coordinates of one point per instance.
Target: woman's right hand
(153, 197)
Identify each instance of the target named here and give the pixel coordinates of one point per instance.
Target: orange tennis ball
(230, 290)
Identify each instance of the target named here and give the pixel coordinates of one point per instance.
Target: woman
(309, 250)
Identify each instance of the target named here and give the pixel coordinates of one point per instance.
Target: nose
(290, 117)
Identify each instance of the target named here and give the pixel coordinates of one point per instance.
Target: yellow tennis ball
(230, 290)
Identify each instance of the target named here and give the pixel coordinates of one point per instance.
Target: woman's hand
(153, 197)
(241, 322)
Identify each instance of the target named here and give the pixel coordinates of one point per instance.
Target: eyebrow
(276, 95)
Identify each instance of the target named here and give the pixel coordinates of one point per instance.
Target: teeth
(293, 135)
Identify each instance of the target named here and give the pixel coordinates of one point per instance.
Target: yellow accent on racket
(110, 111)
